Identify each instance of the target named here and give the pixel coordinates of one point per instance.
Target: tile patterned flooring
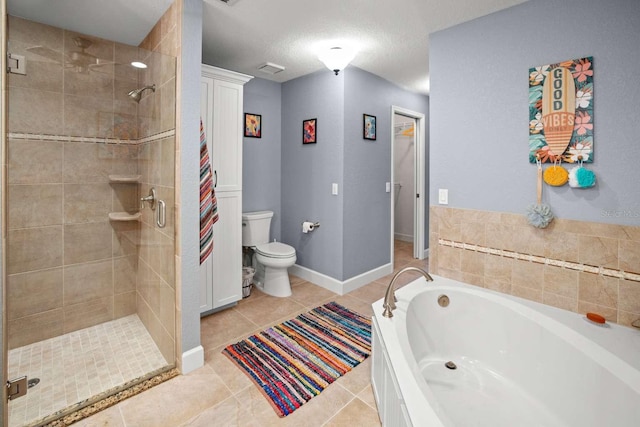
(81, 364)
(219, 394)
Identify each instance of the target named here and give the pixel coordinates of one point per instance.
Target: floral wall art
(252, 125)
(561, 112)
(309, 131)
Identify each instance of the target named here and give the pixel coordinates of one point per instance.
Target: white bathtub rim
(600, 344)
(414, 392)
(618, 356)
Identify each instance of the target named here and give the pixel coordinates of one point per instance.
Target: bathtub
(518, 363)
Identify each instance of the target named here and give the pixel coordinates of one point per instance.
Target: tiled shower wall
(575, 265)
(156, 303)
(69, 266)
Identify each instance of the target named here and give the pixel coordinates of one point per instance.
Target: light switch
(443, 196)
(388, 187)
(334, 188)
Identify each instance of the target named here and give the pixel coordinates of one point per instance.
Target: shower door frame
(4, 413)
(421, 199)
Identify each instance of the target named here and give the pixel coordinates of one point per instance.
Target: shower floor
(81, 364)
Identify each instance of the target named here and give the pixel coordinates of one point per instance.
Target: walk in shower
(90, 273)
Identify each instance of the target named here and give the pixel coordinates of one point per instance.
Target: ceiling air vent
(269, 67)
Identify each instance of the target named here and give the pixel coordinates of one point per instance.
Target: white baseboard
(192, 359)
(337, 286)
(316, 278)
(403, 237)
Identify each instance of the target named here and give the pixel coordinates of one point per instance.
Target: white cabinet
(222, 118)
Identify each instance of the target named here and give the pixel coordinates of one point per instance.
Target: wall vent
(269, 67)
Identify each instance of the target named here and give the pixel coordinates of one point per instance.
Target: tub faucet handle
(389, 303)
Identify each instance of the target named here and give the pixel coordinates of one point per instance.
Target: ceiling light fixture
(138, 64)
(336, 58)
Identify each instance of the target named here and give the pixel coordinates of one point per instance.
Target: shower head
(136, 94)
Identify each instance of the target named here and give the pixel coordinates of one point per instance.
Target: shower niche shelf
(125, 179)
(124, 216)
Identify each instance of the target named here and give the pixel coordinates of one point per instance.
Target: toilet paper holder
(308, 226)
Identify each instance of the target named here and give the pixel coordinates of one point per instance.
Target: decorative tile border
(91, 140)
(603, 271)
(83, 410)
(161, 135)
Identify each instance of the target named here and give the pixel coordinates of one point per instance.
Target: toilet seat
(275, 250)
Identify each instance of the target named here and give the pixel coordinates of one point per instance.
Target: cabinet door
(227, 250)
(206, 285)
(206, 115)
(228, 126)
(206, 110)
(221, 273)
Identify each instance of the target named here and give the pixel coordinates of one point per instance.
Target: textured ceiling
(391, 36)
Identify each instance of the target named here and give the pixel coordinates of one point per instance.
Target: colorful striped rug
(294, 361)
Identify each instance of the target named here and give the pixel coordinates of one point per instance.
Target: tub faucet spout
(390, 297)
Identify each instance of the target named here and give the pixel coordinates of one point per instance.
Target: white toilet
(271, 260)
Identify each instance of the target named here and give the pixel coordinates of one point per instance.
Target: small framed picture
(252, 125)
(309, 131)
(369, 127)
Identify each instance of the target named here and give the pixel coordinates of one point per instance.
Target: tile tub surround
(574, 265)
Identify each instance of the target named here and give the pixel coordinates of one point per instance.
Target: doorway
(408, 195)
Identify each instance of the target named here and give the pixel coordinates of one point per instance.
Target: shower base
(81, 364)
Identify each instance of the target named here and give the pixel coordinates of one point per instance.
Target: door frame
(419, 173)
(4, 420)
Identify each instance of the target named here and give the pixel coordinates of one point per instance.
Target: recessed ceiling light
(138, 64)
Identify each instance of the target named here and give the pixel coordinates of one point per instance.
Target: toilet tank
(255, 227)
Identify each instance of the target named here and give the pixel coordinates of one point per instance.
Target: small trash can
(247, 280)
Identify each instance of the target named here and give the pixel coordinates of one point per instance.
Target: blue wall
(309, 170)
(367, 168)
(189, 139)
(479, 106)
(261, 161)
(355, 224)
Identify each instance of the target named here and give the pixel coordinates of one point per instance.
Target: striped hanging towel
(208, 202)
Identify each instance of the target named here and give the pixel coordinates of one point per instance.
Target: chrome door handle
(161, 220)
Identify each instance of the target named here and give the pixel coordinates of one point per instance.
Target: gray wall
(189, 128)
(355, 225)
(479, 106)
(309, 170)
(261, 161)
(367, 168)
